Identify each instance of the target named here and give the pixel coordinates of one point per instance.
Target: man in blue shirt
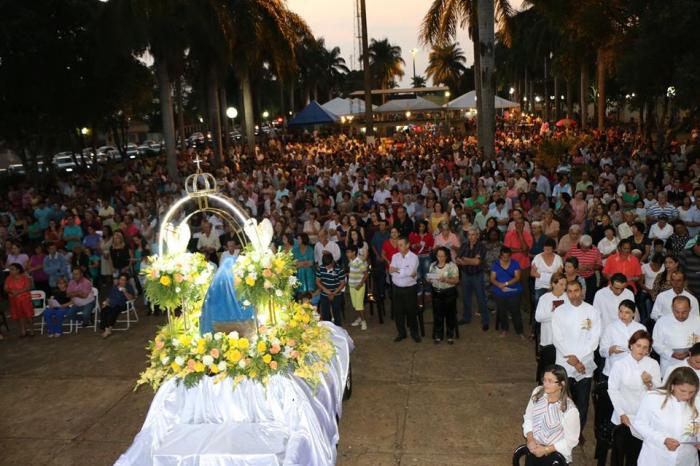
(115, 304)
(55, 265)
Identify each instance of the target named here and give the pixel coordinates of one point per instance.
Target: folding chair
(39, 304)
(557, 459)
(95, 310)
(130, 308)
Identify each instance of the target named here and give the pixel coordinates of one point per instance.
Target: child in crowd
(357, 278)
(58, 305)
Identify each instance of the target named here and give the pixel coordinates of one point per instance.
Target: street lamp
(413, 54)
(447, 94)
(84, 131)
(265, 114)
(232, 113)
(408, 114)
(511, 91)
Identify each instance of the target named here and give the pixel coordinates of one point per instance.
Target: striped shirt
(547, 421)
(357, 270)
(668, 210)
(586, 257)
(330, 278)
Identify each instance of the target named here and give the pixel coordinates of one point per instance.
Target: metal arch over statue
(221, 310)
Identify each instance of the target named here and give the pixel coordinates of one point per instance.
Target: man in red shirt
(589, 262)
(519, 240)
(625, 263)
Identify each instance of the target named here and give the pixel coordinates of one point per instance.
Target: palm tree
(334, 69)
(446, 65)
(418, 81)
(385, 62)
(440, 25)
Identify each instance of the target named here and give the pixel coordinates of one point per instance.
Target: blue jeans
(423, 268)
(474, 284)
(331, 310)
(54, 319)
(85, 311)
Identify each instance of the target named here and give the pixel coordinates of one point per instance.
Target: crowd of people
(594, 257)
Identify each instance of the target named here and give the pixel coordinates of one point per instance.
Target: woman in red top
(422, 242)
(18, 287)
(391, 246)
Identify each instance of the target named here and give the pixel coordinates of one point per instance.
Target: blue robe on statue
(221, 303)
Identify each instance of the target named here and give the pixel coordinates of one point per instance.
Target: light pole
(413, 55)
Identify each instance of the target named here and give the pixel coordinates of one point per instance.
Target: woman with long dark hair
(444, 277)
(551, 421)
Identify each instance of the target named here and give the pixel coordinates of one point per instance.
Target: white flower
(292, 280)
(267, 261)
(242, 363)
(268, 284)
(222, 366)
(287, 352)
(207, 360)
(234, 334)
(251, 268)
(179, 361)
(217, 336)
(253, 275)
(279, 293)
(246, 303)
(177, 289)
(165, 360)
(176, 342)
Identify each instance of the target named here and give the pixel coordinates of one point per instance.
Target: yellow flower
(199, 367)
(175, 367)
(261, 346)
(214, 369)
(233, 355)
(243, 344)
(279, 264)
(250, 281)
(267, 358)
(165, 280)
(201, 346)
(186, 340)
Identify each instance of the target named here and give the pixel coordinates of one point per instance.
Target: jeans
(509, 305)
(54, 319)
(581, 394)
(423, 268)
(474, 284)
(85, 311)
(328, 306)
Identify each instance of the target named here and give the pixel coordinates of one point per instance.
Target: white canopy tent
(419, 104)
(468, 100)
(343, 107)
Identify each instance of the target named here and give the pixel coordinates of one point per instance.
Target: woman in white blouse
(443, 275)
(608, 245)
(547, 304)
(630, 378)
(616, 336)
(668, 422)
(551, 421)
(543, 266)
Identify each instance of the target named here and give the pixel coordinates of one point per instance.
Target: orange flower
(214, 352)
(273, 365)
(267, 273)
(191, 364)
(179, 278)
(274, 349)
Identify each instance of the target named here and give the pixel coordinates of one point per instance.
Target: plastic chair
(40, 296)
(557, 459)
(130, 308)
(95, 310)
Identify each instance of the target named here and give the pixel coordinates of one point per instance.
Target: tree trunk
(214, 113)
(557, 100)
(477, 85)
(223, 105)
(166, 111)
(487, 62)
(600, 77)
(179, 98)
(546, 91)
(291, 96)
(569, 98)
(525, 94)
(248, 111)
(369, 124)
(583, 94)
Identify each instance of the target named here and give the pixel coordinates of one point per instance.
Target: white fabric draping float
(285, 423)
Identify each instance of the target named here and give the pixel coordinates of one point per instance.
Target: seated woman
(667, 420)
(115, 304)
(551, 422)
(630, 378)
(58, 305)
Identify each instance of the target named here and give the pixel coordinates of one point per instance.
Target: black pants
(444, 310)
(591, 288)
(404, 302)
(109, 314)
(581, 394)
(549, 460)
(379, 282)
(548, 356)
(509, 305)
(332, 309)
(626, 447)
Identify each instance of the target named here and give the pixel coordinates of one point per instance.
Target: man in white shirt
(576, 333)
(662, 305)
(325, 245)
(208, 242)
(693, 361)
(675, 333)
(607, 300)
(232, 250)
(381, 194)
(661, 229)
(403, 270)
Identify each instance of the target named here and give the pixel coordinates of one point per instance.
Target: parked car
(110, 152)
(132, 151)
(63, 161)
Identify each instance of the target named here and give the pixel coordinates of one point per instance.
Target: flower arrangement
(263, 278)
(296, 345)
(174, 280)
